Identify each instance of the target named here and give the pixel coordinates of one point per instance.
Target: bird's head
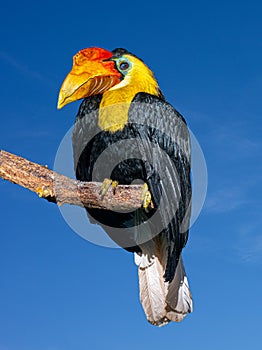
(97, 70)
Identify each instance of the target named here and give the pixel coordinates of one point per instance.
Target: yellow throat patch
(115, 103)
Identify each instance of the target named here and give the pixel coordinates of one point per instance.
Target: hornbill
(126, 132)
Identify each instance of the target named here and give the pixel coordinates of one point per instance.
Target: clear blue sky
(60, 292)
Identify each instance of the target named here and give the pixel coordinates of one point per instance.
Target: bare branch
(61, 189)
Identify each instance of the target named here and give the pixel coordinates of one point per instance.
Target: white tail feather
(162, 301)
(152, 291)
(179, 300)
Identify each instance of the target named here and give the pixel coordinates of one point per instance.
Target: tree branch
(61, 189)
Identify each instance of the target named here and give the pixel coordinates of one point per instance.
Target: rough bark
(61, 189)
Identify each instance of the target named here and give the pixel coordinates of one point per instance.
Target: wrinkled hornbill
(125, 131)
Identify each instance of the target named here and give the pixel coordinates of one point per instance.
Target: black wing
(161, 136)
(165, 143)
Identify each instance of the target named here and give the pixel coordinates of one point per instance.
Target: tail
(162, 301)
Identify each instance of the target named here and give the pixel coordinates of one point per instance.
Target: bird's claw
(43, 192)
(146, 197)
(107, 183)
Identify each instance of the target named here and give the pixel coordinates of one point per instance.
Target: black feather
(154, 128)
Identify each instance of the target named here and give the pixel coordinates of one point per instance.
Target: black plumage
(154, 147)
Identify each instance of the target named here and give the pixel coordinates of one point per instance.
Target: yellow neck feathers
(113, 112)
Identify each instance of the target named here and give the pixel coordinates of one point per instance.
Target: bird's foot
(146, 197)
(44, 192)
(107, 183)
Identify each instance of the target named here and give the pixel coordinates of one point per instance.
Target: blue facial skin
(123, 65)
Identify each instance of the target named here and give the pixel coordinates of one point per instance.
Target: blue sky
(60, 292)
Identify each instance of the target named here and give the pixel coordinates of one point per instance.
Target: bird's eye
(124, 65)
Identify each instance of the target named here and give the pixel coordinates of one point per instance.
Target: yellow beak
(92, 73)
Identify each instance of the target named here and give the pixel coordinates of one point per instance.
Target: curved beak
(92, 73)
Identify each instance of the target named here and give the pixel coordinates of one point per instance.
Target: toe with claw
(146, 197)
(44, 192)
(107, 183)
